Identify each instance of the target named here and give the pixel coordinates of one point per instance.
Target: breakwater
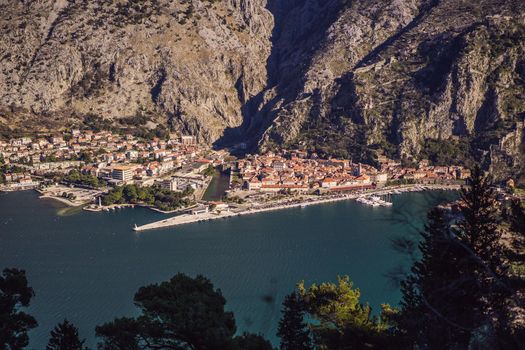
(208, 216)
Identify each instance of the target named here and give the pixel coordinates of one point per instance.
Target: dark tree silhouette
(457, 292)
(293, 330)
(65, 337)
(182, 313)
(15, 294)
(249, 341)
(517, 221)
(435, 300)
(479, 227)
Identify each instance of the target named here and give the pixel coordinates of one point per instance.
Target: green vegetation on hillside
(336, 140)
(9, 169)
(209, 171)
(446, 152)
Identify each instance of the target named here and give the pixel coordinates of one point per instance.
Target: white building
(123, 172)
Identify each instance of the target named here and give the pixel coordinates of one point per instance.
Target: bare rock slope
(187, 63)
(413, 78)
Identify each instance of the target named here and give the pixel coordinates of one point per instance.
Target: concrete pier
(189, 218)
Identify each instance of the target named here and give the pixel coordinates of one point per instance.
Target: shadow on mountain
(299, 27)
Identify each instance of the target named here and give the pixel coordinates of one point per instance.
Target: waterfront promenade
(192, 218)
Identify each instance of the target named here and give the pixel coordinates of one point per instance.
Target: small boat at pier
(374, 201)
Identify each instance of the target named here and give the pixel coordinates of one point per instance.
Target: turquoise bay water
(87, 266)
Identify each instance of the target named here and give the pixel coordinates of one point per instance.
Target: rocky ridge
(345, 77)
(186, 63)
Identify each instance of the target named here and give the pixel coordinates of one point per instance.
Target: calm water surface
(218, 186)
(87, 266)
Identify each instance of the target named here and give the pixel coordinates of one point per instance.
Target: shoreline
(62, 200)
(188, 218)
(82, 197)
(97, 209)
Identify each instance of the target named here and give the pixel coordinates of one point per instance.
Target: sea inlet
(87, 266)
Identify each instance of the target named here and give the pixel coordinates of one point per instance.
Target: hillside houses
(123, 158)
(272, 173)
(296, 171)
(113, 157)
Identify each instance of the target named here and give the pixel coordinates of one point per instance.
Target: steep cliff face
(344, 76)
(188, 63)
(393, 75)
(348, 32)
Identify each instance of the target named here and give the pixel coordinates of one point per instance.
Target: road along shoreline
(208, 216)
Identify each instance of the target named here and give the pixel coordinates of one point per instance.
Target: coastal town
(80, 166)
(104, 170)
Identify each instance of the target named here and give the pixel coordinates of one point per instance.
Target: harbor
(376, 201)
(372, 198)
(97, 258)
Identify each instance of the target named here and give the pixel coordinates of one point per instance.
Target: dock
(208, 216)
(192, 218)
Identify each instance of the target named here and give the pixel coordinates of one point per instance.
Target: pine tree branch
(440, 315)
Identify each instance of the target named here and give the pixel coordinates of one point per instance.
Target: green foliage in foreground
(340, 320)
(15, 294)
(461, 294)
(65, 337)
(160, 198)
(293, 329)
(182, 313)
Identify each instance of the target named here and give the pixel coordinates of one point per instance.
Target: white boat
(374, 201)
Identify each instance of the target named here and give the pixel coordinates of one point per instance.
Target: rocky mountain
(187, 63)
(443, 79)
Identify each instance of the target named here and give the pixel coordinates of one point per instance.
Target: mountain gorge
(438, 79)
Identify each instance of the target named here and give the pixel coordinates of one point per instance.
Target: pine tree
(65, 337)
(479, 227)
(293, 331)
(340, 321)
(479, 234)
(184, 312)
(459, 288)
(433, 294)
